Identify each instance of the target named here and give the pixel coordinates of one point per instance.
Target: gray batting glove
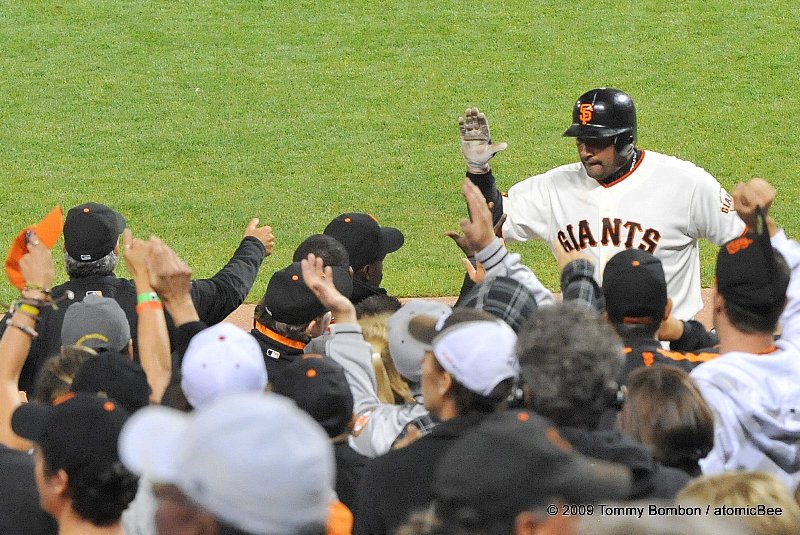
(476, 142)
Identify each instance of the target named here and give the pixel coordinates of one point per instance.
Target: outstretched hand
(36, 266)
(136, 254)
(754, 193)
(671, 329)
(262, 234)
(478, 229)
(564, 257)
(319, 280)
(170, 276)
(476, 141)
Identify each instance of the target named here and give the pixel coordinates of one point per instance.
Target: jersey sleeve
(712, 214)
(528, 210)
(790, 319)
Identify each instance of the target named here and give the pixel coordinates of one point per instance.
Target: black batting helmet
(603, 113)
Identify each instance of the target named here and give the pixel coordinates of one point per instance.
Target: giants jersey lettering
(615, 233)
(664, 206)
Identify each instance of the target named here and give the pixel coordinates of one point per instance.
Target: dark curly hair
(101, 499)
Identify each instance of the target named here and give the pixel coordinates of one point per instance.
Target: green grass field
(191, 117)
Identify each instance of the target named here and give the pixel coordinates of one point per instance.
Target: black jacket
(214, 298)
(641, 352)
(398, 483)
(349, 469)
(20, 513)
(651, 479)
(362, 290)
(276, 353)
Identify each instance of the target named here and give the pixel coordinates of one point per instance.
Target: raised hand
(754, 193)
(478, 229)
(136, 253)
(262, 234)
(564, 257)
(319, 280)
(170, 277)
(36, 265)
(476, 141)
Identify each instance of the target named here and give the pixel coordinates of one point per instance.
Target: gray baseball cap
(96, 322)
(407, 351)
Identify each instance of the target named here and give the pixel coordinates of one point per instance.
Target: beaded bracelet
(47, 302)
(24, 328)
(36, 288)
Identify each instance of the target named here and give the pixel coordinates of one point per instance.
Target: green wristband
(147, 297)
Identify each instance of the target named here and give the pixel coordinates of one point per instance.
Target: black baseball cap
(116, 377)
(747, 275)
(319, 386)
(517, 461)
(504, 298)
(635, 288)
(77, 433)
(289, 300)
(365, 240)
(91, 231)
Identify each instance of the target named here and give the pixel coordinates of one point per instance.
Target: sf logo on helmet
(586, 113)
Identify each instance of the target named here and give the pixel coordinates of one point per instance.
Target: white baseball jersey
(663, 205)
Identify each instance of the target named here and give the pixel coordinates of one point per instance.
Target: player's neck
(624, 168)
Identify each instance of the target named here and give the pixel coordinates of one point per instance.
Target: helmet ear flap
(624, 144)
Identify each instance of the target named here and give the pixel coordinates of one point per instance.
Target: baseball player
(617, 197)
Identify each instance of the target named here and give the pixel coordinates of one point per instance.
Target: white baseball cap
(473, 346)
(407, 351)
(222, 359)
(253, 460)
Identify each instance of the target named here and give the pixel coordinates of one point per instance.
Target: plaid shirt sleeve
(579, 285)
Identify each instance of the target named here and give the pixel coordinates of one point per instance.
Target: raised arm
(491, 254)
(152, 334)
(171, 278)
(37, 270)
(577, 279)
(346, 344)
(747, 197)
(217, 297)
(478, 149)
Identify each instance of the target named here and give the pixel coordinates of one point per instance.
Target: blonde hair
(55, 377)
(392, 388)
(740, 489)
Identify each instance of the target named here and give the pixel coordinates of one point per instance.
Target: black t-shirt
(20, 513)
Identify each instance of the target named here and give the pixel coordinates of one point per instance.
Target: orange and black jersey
(643, 352)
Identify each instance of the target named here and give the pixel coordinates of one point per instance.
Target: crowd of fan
(343, 411)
